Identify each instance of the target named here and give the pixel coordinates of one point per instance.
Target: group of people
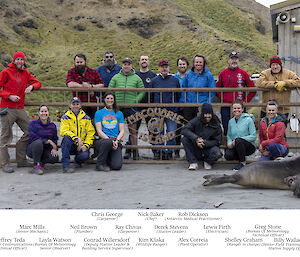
(202, 133)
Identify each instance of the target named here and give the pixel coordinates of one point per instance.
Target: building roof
(278, 8)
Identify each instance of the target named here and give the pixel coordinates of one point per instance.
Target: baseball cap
(127, 60)
(233, 54)
(163, 62)
(75, 99)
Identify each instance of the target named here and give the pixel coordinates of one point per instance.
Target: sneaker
(37, 169)
(24, 164)
(238, 167)
(279, 158)
(7, 169)
(68, 170)
(193, 166)
(207, 166)
(101, 168)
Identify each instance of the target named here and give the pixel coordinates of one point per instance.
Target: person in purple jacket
(42, 142)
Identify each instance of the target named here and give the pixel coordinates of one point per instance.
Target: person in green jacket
(127, 78)
(241, 135)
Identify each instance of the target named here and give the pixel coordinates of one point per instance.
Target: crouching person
(78, 135)
(202, 138)
(109, 122)
(42, 142)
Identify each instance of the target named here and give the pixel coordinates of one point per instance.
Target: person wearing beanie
(15, 82)
(202, 138)
(280, 81)
(233, 77)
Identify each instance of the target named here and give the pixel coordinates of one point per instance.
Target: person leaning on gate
(109, 68)
(198, 77)
(182, 66)
(202, 138)
(77, 131)
(81, 76)
(282, 80)
(233, 76)
(13, 82)
(127, 78)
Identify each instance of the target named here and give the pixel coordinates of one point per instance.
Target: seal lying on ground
(293, 184)
(269, 174)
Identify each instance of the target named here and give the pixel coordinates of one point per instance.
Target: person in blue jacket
(109, 68)
(241, 135)
(198, 77)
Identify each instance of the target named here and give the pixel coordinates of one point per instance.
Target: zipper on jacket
(125, 87)
(18, 82)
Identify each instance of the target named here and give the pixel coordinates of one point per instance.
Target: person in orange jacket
(14, 82)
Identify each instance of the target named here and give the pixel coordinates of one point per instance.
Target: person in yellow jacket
(77, 131)
(282, 80)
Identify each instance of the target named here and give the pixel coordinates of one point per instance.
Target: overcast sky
(269, 2)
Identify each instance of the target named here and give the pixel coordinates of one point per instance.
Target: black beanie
(207, 108)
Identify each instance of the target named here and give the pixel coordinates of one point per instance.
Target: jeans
(69, 147)
(275, 150)
(170, 126)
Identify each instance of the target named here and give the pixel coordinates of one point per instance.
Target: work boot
(7, 169)
(127, 154)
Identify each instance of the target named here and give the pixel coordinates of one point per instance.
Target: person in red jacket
(233, 76)
(272, 134)
(14, 82)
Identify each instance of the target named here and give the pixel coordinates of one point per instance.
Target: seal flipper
(212, 180)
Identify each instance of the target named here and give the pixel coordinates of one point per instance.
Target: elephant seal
(268, 174)
(293, 183)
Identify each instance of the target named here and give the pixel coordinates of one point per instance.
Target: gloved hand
(280, 86)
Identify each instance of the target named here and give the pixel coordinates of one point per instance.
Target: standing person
(146, 75)
(78, 135)
(109, 68)
(81, 76)
(182, 66)
(109, 123)
(165, 80)
(198, 77)
(42, 142)
(14, 81)
(233, 77)
(241, 135)
(272, 135)
(202, 139)
(282, 80)
(127, 78)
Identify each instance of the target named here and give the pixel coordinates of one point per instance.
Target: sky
(269, 2)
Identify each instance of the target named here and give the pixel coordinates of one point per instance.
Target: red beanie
(275, 59)
(18, 54)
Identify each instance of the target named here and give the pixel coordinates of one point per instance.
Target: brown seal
(269, 174)
(293, 183)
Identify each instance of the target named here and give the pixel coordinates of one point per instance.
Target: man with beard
(182, 65)
(109, 68)
(14, 82)
(282, 80)
(146, 75)
(81, 76)
(202, 139)
(233, 76)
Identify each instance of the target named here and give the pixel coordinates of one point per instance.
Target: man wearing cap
(81, 76)
(282, 80)
(127, 78)
(202, 138)
(14, 82)
(109, 68)
(78, 135)
(233, 77)
(165, 80)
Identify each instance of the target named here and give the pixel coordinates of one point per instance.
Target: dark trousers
(242, 149)
(69, 147)
(107, 155)
(225, 115)
(275, 150)
(41, 152)
(194, 153)
(190, 113)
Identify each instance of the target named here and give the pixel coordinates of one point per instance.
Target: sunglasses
(111, 56)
